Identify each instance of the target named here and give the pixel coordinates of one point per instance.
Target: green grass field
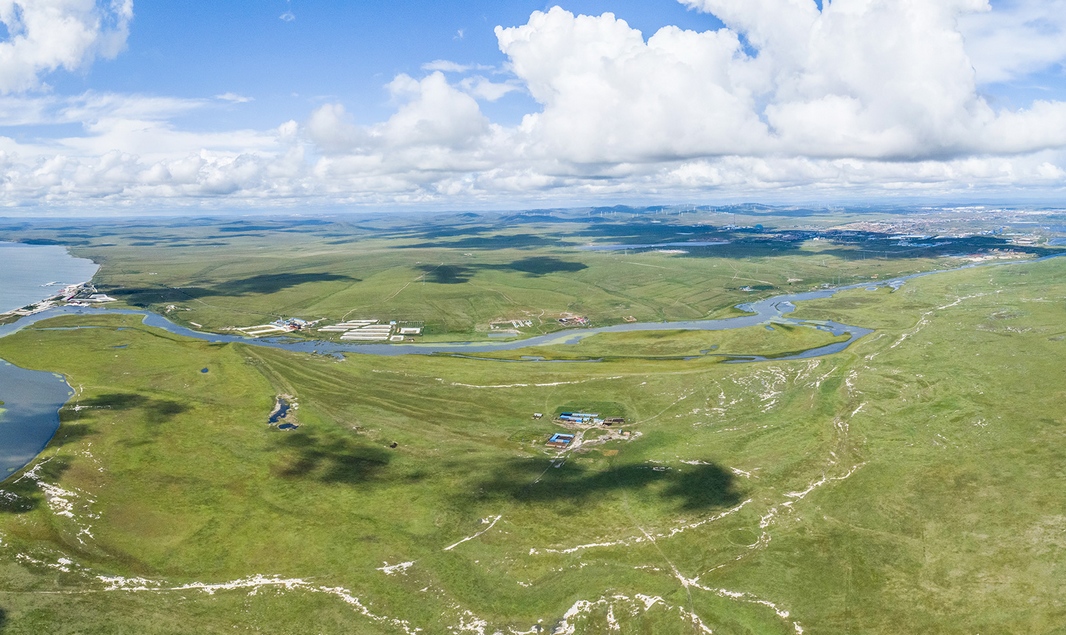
(458, 274)
(911, 484)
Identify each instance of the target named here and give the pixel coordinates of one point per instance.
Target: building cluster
(277, 327)
(560, 440)
(83, 295)
(73, 295)
(372, 331)
(589, 418)
(581, 422)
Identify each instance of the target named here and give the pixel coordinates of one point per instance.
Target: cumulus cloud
(334, 131)
(433, 112)
(608, 96)
(45, 35)
(874, 79)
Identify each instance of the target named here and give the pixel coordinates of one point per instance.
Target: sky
(131, 106)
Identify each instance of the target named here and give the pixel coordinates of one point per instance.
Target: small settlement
(350, 330)
(373, 331)
(277, 327)
(586, 422)
(72, 295)
(560, 440)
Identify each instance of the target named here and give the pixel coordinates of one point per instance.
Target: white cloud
(334, 131)
(608, 96)
(45, 35)
(433, 112)
(876, 79)
(288, 16)
(487, 90)
(1018, 38)
(446, 66)
(234, 98)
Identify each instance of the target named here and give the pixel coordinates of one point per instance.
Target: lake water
(27, 269)
(30, 414)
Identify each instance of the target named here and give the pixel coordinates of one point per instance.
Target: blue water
(281, 412)
(26, 269)
(30, 414)
(32, 399)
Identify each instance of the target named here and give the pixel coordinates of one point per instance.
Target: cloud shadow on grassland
(263, 284)
(153, 410)
(446, 274)
(698, 487)
(543, 265)
(532, 267)
(327, 458)
(514, 241)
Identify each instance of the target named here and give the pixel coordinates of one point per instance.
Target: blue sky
(275, 104)
(343, 51)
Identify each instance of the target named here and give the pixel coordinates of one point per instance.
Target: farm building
(560, 440)
(579, 417)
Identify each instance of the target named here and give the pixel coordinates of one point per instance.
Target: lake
(32, 399)
(32, 273)
(30, 414)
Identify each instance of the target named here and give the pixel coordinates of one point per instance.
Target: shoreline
(49, 297)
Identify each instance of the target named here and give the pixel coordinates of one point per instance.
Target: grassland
(458, 274)
(911, 484)
(778, 340)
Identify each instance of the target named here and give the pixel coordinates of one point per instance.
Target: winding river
(37, 394)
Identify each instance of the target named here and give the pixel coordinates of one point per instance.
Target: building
(560, 440)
